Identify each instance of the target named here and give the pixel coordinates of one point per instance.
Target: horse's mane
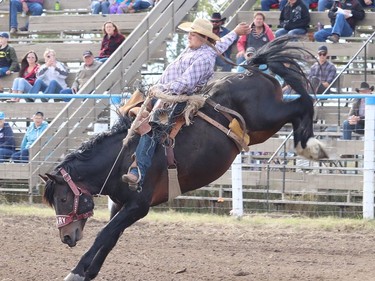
(85, 150)
(285, 60)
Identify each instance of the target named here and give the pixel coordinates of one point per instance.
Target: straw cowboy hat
(364, 86)
(201, 26)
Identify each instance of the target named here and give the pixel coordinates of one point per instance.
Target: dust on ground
(190, 251)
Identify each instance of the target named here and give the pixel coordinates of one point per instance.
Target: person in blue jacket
(32, 134)
(7, 141)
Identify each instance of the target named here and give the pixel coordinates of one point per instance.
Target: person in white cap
(187, 74)
(7, 142)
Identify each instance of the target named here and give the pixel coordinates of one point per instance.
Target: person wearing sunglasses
(322, 72)
(51, 76)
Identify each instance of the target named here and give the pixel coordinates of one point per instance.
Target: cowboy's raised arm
(224, 43)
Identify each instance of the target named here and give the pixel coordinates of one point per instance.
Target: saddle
(169, 122)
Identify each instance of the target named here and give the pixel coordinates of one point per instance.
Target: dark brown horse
(203, 154)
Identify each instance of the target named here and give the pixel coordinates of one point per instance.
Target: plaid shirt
(191, 70)
(325, 72)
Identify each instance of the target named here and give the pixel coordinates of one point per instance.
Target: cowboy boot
(143, 159)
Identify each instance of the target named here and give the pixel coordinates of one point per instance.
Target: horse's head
(73, 204)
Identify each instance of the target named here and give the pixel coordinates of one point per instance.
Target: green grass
(254, 220)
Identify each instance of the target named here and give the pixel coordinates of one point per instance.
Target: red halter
(62, 220)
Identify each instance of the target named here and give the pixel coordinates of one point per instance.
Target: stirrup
(128, 178)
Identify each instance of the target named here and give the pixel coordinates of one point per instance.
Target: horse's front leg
(91, 262)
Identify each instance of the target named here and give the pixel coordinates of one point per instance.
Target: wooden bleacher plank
(70, 51)
(65, 52)
(83, 23)
(21, 110)
(68, 6)
(14, 171)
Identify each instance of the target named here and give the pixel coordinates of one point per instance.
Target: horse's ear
(44, 178)
(48, 177)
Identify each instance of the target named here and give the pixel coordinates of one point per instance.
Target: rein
(62, 220)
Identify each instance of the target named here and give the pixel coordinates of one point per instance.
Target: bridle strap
(63, 220)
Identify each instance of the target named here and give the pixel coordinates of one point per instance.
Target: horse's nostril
(67, 238)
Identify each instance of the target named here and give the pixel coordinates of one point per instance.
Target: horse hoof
(74, 277)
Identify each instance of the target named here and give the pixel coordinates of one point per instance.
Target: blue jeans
(296, 31)
(102, 60)
(97, 7)
(266, 4)
(66, 91)
(341, 28)
(38, 86)
(3, 71)
(5, 153)
(144, 153)
(139, 5)
(324, 4)
(35, 9)
(20, 84)
(21, 156)
(347, 129)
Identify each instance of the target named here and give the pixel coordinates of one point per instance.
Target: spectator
(217, 22)
(51, 76)
(86, 71)
(260, 35)
(112, 39)
(7, 142)
(263, 67)
(119, 6)
(367, 4)
(344, 15)
(98, 6)
(322, 72)
(30, 7)
(294, 19)
(138, 5)
(266, 4)
(248, 55)
(32, 134)
(27, 75)
(356, 119)
(8, 56)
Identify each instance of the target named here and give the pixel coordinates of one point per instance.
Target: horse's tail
(285, 60)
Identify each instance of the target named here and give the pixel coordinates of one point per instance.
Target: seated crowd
(50, 77)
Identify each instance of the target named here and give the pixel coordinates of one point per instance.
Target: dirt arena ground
(190, 251)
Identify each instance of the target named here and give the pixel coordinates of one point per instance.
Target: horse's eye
(63, 200)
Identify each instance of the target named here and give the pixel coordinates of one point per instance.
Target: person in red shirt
(260, 35)
(111, 41)
(26, 76)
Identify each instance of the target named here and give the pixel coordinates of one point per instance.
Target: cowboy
(356, 120)
(218, 28)
(187, 75)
